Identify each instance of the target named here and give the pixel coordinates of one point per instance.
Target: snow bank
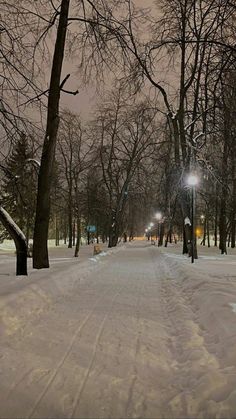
(202, 299)
(23, 298)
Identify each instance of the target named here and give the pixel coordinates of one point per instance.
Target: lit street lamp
(158, 217)
(192, 181)
(150, 228)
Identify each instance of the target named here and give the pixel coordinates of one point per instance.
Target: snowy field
(136, 331)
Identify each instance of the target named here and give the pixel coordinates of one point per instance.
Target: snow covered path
(131, 336)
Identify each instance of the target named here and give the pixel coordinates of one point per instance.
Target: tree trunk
(78, 230)
(57, 233)
(222, 226)
(19, 239)
(74, 235)
(65, 233)
(233, 231)
(216, 222)
(185, 241)
(168, 236)
(162, 229)
(208, 230)
(97, 234)
(113, 236)
(40, 247)
(223, 200)
(187, 227)
(229, 239)
(27, 230)
(189, 247)
(233, 212)
(70, 226)
(204, 231)
(112, 228)
(112, 241)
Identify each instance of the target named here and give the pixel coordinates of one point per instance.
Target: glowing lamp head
(158, 215)
(192, 180)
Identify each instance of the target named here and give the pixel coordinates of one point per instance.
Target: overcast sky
(85, 102)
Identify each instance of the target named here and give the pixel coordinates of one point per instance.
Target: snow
(173, 115)
(13, 224)
(187, 221)
(233, 305)
(140, 333)
(201, 134)
(34, 161)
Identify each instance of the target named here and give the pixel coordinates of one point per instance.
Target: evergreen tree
(19, 186)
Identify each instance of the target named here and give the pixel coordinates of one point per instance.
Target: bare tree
(127, 136)
(75, 157)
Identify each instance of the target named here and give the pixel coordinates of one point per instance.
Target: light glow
(192, 180)
(158, 215)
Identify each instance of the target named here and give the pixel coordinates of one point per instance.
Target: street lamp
(150, 228)
(158, 217)
(192, 181)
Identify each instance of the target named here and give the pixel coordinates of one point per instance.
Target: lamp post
(150, 227)
(158, 217)
(192, 181)
(203, 222)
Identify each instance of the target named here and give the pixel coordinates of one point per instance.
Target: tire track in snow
(66, 354)
(138, 290)
(18, 382)
(97, 339)
(169, 297)
(135, 377)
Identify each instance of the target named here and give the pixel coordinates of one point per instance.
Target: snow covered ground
(137, 331)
